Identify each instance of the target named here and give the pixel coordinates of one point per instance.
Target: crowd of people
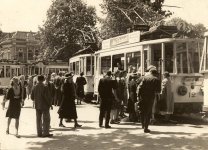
(119, 93)
(141, 96)
(45, 91)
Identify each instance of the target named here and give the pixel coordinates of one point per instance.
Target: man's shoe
(107, 127)
(77, 125)
(48, 135)
(146, 130)
(61, 125)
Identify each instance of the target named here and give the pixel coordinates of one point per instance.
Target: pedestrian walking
(80, 82)
(67, 107)
(57, 93)
(106, 89)
(41, 96)
(14, 95)
(24, 85)
(148, 86)
(30, 86)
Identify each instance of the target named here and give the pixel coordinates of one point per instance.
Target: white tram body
(84, 63)
(7, 71)
(179, 56)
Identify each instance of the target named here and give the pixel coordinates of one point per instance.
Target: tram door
(156, 55)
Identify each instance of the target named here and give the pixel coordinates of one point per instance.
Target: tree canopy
(68, 23)
(124, 14)
(188, 29)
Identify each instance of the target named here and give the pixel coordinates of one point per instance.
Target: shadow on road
(123, 138)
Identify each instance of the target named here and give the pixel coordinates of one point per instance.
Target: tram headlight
(182, 90)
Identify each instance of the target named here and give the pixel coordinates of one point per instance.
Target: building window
(30, 54)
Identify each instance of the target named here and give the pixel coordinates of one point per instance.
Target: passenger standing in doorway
(148, 87)
(167, 103)
(41, 97)
(106, 91)
(80, 82)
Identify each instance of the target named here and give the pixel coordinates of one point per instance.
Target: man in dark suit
(106, 91)
(42, 98)
(148, 87)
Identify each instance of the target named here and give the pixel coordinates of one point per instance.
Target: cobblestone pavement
(89, 137)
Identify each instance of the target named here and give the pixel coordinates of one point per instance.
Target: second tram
(84, 62)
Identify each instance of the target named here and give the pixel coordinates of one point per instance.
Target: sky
(28, 15)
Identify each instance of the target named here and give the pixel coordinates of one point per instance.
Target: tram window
(2, 72)
(193, 57)
(81, 65)
(77, 68)
(71, 67)
(105, 64)
(7, 71)
(118, 62)
(93, 66)
(156, 55)
(74, 67)
(169, 57)
(88, 68)
(133, 60)
(181, 54)
(145, 59)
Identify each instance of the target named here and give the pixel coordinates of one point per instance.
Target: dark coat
(149, 85)
(14, 107)
(132, 95)
(80, 82)
(41, 96)
(67, 107)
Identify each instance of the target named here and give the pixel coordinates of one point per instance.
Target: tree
(124, 14)
(68, 23)
(187, 29)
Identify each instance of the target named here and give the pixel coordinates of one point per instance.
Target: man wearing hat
(106, 89)
(149, 85)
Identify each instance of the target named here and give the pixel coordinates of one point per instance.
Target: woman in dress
(67, 107)
(14, 96)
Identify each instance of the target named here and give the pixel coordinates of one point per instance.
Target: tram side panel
(187, 93)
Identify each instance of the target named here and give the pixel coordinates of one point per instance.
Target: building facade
(19, 46)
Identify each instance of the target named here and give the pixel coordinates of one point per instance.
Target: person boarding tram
(107, 94)
(148, 86)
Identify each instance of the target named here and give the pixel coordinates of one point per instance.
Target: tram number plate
(193, 94)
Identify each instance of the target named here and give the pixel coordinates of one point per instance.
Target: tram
(83, 61)
(7, 71)
(11, 69)
(179, 56)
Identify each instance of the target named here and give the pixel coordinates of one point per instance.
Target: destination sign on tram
(123, 39)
